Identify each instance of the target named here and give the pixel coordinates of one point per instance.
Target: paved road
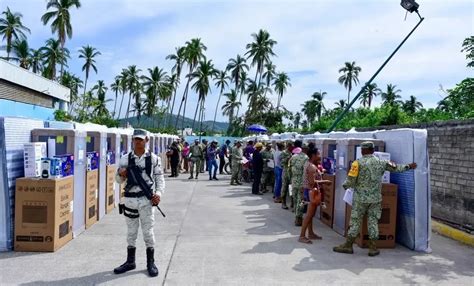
(215, 234)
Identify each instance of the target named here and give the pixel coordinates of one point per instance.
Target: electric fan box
(43, 213)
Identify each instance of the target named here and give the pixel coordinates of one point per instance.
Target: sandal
(315, 237)
(304, 239)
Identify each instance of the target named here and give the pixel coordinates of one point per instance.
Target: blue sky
(314, 38)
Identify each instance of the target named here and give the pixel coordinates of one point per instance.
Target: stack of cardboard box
(43, 213)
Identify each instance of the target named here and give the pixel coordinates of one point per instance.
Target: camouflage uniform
(267, 171)
(365, 179)
(285, 160)
(296, 167)
(236, 156)
(196, 154)
(203, 161)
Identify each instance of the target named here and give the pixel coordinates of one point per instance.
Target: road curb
(458, 235)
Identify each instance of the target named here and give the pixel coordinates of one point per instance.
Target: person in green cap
(365, 178)
(195, 153)
(236, 156)
(296, 167)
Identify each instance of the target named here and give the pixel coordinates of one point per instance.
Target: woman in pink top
(185, 154)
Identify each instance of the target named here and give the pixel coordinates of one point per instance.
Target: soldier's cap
(258, 145)
(367, 145)
(269, 144)
(140, 133)
(238, 142)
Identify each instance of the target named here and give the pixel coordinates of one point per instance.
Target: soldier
(267, 156)
(257, 165)
(195, 153)
(297, 169)
(236, 156)
(365, 179)
(204, 156)
(285, 159)
(137, 207)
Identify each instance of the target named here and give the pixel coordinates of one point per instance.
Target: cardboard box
(43, 213)
(50, 168)
(329, 164)
(32, 154)
(110, 160)
(66, 162)
(92, 193)
(387, 221)
(327, 214)
(110, 199)
(92, 161)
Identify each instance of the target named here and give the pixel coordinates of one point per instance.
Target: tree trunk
(215, 113)
(62, 62)
(181, 104)
(129, 101)
(348, 95)
(202, 116)
(195, 112)
(170, 114)
(115, 104)
(121, 102)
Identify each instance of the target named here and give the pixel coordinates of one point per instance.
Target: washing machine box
(43, 213)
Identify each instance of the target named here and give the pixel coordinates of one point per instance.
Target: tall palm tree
(282, 81)
(203, 76)
(260, 50)
(101, 108)
(391, 96)
(72, 82)
(11, 29)
(228, 109)
(341, 104)
(179, 58)
(21, 52)
(221, 83)
(133, 87)
(468, 47)
(138, 109)
(309, 110)
(412, 105)
(36, 60)
(238, 68)
(88, 53)
(193, 53)
(60, 18)
(123, 87)
(369, 93)
(318, 98)
(350, 77)
(297, 120)
(116, 87)
(154, 86)
(53, 55)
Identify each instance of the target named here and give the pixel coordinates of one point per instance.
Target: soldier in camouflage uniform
(267, 155)
(365, 179)
(285, 159)
(196, 154)
(236, 156)
(296, 173)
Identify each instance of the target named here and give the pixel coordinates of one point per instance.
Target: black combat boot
(129, 264)
(150, 262)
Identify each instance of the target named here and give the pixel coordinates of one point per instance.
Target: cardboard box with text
(327, 214)
(92, 193)
(110, 199)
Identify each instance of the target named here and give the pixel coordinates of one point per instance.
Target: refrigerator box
(92, 161)
(66, 163)
(110, 201)
(327, 214)
(92, 193)
(43, 213)
(32, 154)
(387, 222)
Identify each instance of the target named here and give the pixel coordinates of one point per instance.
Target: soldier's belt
(128, 212)
(134, 195)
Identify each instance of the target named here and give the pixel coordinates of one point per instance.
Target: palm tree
(154, 86)
(350, 77)
(101, 108)
(179, 59)
(341, 104)
(282, 81)
(238, 68)
(318, 98)
(309, 110)
(72, 82)
(88, 53)
(260, 51)
(468, 47)
(297, 120)
(11, 28)
(369, 93)
(116, 87)
(60, 18)
(391, 95)
(123, 87)
(133, 87)
(228, 109)
(221, 83)
(203, 75)
(21, 52)
(53, 55)
(193, 53)
(138, 109)
(36, 60)
(412, 105)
